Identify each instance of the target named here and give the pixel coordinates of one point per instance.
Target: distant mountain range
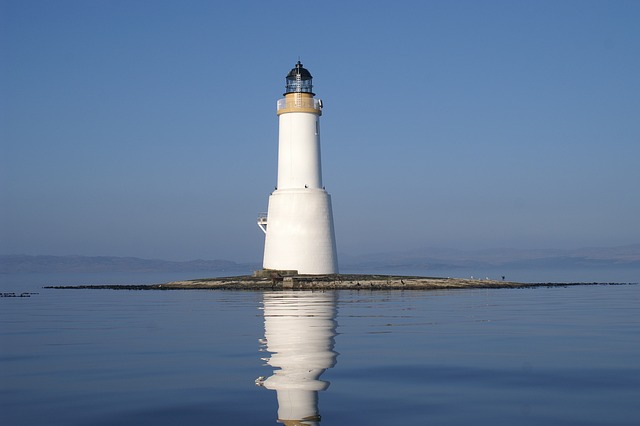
(438, 258)
(425, 258)
(25, 263)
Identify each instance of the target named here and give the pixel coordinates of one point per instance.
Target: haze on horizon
(148, 129)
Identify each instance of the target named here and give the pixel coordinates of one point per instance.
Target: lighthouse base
(300, 234)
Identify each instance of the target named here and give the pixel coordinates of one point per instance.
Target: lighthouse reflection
(300, 329)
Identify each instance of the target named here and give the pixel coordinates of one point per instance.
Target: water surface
(562, 356)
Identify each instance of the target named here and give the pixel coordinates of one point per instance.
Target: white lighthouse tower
(299, 223)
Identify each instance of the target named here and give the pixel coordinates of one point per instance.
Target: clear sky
(148, 128)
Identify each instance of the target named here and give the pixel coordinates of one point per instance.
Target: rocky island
(279, 280)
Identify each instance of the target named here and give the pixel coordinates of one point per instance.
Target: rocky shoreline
(328, 282)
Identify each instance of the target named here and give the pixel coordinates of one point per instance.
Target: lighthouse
(298, 226)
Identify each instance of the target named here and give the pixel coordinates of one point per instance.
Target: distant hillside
(437, 258)
(24, 263)
(425, 258)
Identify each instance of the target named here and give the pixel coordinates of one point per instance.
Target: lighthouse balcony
(297, 103)
(262, 222)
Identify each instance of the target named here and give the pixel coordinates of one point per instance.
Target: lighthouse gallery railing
(299, 102)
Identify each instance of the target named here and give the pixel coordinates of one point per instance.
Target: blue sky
(148, 128)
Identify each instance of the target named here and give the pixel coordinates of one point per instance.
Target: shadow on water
(299, 335)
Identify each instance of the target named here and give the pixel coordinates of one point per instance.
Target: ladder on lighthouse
(298, 98)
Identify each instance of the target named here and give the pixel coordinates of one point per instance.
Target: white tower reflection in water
(299, 328)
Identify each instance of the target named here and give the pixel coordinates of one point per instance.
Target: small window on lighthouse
(317, 127)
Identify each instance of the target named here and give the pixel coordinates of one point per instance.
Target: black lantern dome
(299, 80)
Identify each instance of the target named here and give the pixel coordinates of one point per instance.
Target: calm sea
(552, 356)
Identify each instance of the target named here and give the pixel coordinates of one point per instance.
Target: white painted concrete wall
(300, 232)
(299, 151)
